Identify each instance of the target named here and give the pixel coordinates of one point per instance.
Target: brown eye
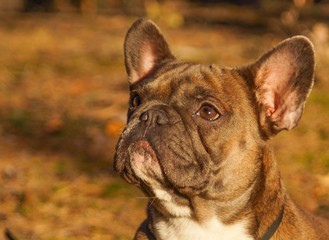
(208, 112)
(135, 101)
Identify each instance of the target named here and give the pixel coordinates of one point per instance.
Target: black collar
(274, 227)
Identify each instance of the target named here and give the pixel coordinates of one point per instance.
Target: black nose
(154, 117)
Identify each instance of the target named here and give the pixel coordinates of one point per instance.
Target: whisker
(151, 202)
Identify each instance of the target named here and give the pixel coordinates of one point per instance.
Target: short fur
(196, 141)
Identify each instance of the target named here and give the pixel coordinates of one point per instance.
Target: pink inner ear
(146, 63)
(276, 92)
(288, 113)
(147, 60)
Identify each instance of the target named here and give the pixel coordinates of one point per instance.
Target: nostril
(144, 116)
(162, 119)
(154, 117)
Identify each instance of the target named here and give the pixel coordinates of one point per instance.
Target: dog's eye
(135, 101)
(208, 112)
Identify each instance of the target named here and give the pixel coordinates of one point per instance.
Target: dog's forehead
(193, 81)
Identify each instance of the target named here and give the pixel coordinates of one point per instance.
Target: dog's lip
(145, 146)
(144, 159)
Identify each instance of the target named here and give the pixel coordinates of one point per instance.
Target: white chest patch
(172, 207)
(187, 229)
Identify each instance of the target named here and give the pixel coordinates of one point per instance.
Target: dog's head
(199, 129)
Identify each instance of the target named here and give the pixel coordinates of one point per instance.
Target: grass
(320, 98)
(118, 189)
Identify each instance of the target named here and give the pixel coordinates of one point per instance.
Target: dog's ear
(145, 48)
(283, 78)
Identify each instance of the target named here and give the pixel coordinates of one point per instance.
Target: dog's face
(197, 129)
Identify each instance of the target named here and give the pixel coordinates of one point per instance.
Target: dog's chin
(146, 172)
(166, 200)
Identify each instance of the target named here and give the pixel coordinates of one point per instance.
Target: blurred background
(64, 94)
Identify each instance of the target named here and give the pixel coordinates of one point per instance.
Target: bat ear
(283, 78)
(145, 48)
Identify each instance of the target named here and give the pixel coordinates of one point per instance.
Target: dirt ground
(63, 94)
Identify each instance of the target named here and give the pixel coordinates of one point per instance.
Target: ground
(63, 98)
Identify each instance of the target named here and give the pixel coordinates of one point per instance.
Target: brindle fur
(226, 167)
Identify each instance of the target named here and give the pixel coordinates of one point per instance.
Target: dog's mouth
(145, 163)
(138, 163)
(142, 167)
(147, 167)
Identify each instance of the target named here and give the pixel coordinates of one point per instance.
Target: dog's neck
(257, 211)
(268, 197)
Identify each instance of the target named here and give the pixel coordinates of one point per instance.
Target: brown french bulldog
(196, 141)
